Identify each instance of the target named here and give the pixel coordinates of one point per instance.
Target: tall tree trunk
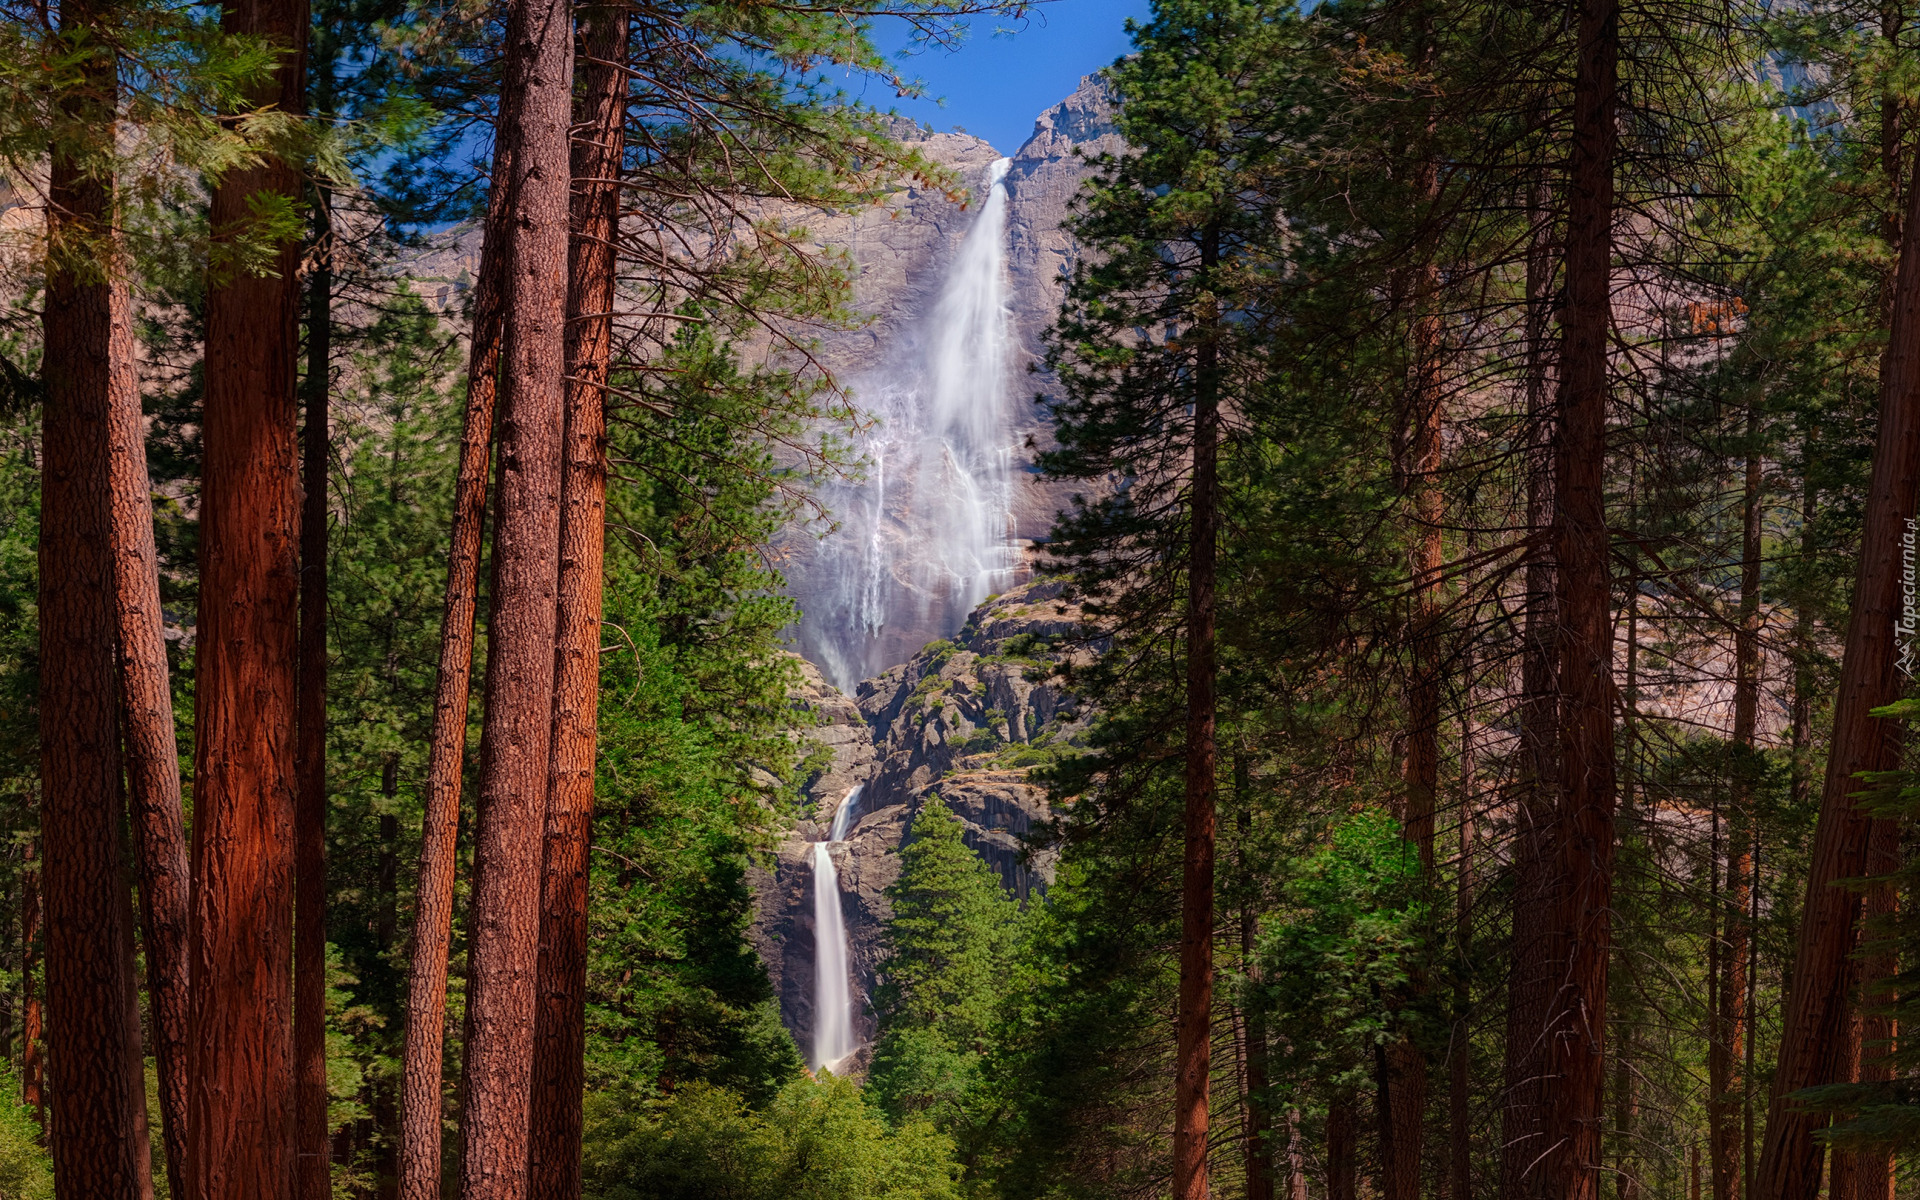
(560, 1025)
(1579, 938)
(518, 731)
(152, 760)
(1530, 977)
(313, 1177)
(422, 1084)
(30, 1027)
(1407, 1064)
(1800, 711)
(1626, 1114)
(93, 1030)
(1194, 1030)
(1343, 1127)
(240, 1032)
(1879, 963)
(1296, 1158)
(1257, 1137)
(1460, 1057)
(1817, 1004)
(1726, 1049)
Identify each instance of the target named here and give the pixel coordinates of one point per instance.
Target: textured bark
(560, 1025)
(31, 1015)
(1296, 1158)
(93, 1025)
(422, 1085)
(517, 734)
(1530, 979)
(1579, 937)
(313, 1176)
(1194, 1017)
(1818, 1004)
(152, 751)
(240, 1045)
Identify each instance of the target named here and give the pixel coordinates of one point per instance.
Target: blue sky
(997, 83)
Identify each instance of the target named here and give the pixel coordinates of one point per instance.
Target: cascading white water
(928, 534)
(832, 977)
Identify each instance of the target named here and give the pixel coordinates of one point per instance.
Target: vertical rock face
(966, 718)
(902, 252)
(968, 711)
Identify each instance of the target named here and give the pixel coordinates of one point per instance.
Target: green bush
(818, 1140)
(26, 1173)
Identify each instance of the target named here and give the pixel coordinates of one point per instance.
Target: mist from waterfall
(832, 977)
(928, 534)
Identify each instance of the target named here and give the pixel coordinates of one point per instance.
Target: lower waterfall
(832, 974)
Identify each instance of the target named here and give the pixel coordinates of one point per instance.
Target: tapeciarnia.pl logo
(1908, 624)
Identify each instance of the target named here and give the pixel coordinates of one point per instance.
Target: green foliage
(950, 940)
(816, 1140)
(1341, 949)
(26, 1170)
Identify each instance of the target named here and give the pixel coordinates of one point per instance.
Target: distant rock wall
(967, 718)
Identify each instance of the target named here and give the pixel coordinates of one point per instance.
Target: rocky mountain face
(967, 718)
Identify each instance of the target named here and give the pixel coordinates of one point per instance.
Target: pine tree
(949, 940)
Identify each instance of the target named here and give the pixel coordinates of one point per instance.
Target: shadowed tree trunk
(560, 1025)
(313, 1177)
(1459, 1064)
(1343, 1126)
(1529, 980)
(240, 1044)
(1726, 1048)
(1579, 936)
(93, 1026)
(1193, 1034)
(1818, 1008)
(422, 1086)
(517, 737)
(30, 1026)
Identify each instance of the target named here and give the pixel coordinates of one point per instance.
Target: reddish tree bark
(313, 1174)
(240, 1046)
(422, 1085)
(93, 1030)
(518, 729)
(152, 756)
(560, 1024)
(1194, 1017)
(1818, 1007)
(1579, 935)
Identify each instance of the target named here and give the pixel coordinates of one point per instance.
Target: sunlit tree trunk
(560, 1026)
(517, 735)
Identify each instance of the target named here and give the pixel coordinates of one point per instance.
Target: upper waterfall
(928, 533)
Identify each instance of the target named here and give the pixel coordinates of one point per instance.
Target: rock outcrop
(967, 718)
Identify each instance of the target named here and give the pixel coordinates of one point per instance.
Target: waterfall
(928, 534)
(832, 976)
